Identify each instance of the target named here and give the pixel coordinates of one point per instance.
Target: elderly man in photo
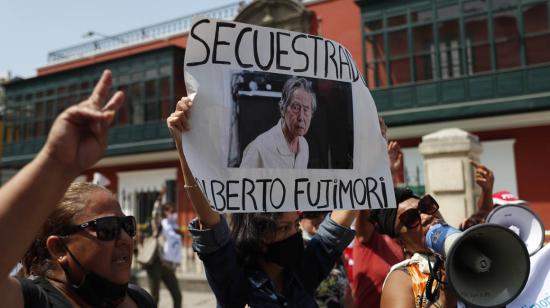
(284, 145)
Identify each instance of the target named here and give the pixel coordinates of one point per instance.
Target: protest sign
(281, 121)
(536, 293)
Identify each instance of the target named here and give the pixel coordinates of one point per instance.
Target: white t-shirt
(172, 245)
(270, 150)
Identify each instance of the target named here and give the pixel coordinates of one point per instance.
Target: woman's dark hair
(37, 261)
(475, 219)
(249, 230)
(384, 219)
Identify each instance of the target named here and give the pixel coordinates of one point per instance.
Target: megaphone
(487, 265)
(523, 221)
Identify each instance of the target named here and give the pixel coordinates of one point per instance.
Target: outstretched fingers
(101, 90)
(115, 102)
(86, 116)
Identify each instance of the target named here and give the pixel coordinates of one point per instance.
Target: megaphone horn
(487, 265)
(523, 221)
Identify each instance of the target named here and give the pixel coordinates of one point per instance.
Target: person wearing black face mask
(261, 260)
(94, 289)
(78, 242)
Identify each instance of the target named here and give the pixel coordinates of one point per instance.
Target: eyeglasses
(411, 217)
(106, 228)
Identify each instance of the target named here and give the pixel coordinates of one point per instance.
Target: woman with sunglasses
(420, 280)
(261, 261)
(78, 242)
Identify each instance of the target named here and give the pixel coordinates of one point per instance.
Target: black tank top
(40, 293)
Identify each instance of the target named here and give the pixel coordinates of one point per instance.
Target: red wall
(532, 153)
(340, 21)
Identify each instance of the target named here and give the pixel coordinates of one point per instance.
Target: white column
(448, 174)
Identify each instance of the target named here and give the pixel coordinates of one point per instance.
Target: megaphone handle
(434, 275)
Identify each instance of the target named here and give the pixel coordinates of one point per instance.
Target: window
(474, 6)
(446, 12)
(504, 4)
(450, 53)
(376, 67)
(28, 121)
(423, 52)
(49, 114)
(506, 39)
(165, 103)
(39, 115)
(478, 49)
(537, 34)
(136, 103)
(396, 21)
(374, 25)
(421, 16)
(151, 101)
(399, 57)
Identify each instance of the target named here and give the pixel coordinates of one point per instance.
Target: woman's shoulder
(141, 297)
(397, 290)
(39, 292)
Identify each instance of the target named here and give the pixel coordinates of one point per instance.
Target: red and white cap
(505, 197)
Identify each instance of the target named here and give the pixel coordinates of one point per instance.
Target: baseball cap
(505, 197)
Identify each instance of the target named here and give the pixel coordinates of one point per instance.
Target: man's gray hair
(291, 85)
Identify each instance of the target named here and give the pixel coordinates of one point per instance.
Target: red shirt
(371, 264)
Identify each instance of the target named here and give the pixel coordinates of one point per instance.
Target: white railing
(141, 35)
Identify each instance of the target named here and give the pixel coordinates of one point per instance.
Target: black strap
(435, 275)
(140, 296)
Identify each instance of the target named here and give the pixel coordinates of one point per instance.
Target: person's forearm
(207, 216)
(485, 202)
(25, 202)
(343, 217)
(363, 226)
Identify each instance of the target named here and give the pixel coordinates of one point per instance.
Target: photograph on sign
(283, 121)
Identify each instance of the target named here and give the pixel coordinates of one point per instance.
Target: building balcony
(504, 92)
(123, 140)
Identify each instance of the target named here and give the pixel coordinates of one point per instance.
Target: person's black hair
(250, 230)
(384, 219)
(474, 219)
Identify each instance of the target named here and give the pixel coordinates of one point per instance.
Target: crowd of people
(75, 244)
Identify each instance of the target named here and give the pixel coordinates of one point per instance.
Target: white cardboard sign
(281, 121)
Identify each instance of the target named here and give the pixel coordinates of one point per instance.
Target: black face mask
(286, 253)
(96, 290)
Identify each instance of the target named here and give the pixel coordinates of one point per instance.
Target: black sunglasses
(411, 217)
(106, 228)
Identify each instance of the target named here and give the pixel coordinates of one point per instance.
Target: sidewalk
(190, 299)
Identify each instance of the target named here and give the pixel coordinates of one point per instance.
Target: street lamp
(95, 33)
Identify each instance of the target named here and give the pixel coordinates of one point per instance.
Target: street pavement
(190, 299)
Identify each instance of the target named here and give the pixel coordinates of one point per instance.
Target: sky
(31, 29)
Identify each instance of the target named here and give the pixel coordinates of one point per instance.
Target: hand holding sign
(178, 124)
